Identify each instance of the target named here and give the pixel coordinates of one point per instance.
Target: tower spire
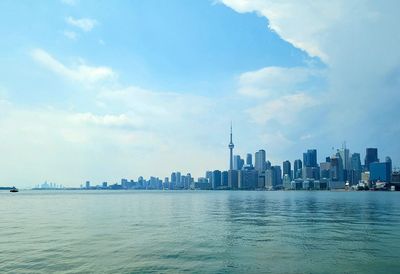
(231, 146)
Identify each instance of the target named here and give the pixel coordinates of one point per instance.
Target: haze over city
(100, 91)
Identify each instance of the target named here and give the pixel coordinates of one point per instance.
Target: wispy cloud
(276, 81)
(85, 24)
(108, 120)
(82, 73)
(70, 35)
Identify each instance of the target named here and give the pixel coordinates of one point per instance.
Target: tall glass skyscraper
(310, 158)
(371, 156)
(260, 160)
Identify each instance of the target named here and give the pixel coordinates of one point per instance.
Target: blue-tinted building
(310, 158)
(371, 156)
(216, 179)
(380, 172)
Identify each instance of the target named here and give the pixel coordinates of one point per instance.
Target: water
(199, 232)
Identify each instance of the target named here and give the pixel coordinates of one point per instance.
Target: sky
(100, 90)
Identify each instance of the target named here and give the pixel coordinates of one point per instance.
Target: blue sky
(129, 88)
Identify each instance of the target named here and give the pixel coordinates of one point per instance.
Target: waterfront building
(260, 160)
(247, 179)
(216, 179)
(287, 169)
(273, 178)
(336, 168)
(224, 179)
(233, 179)
(380, 172)
(87, 184)
(371, 156)
(325, 170)
(310, 173)
(173, 181)
(310, 158)
(209, 177)
(249, 160)
(297, 167)
(202, 183)
(345, 156)
(238, 162)
(124, 183)
(261, 179)
(287, 182)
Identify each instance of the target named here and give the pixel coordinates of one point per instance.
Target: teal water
(199, 232)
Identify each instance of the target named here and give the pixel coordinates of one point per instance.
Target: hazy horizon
(100, 91)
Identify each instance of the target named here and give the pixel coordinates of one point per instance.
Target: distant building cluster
(47, 185)
(341, 170)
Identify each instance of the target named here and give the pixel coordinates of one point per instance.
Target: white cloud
(81, 73)
(272, 81)
(85, 24)
(70, 35)
(121, 120)
(285, 110)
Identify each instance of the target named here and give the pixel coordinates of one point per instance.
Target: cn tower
(231, 146)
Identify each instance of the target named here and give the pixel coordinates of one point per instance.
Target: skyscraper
(371, 156)
(287, 169)
(237, 162)
(216, 179)
(224, 179)
(260, 158)
(249, 160)
(231, 146)
(297, 166)
(310, 158)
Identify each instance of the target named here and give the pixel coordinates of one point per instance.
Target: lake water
(199, 232)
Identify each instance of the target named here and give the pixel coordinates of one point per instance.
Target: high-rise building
(268, 165)
(87, 184)
(345, 156)
(336, 168)
(231, 146)
(249, 160)
(238, 162)
(233, 179)
(224, 179)
(209, 177)
(310, 173)
(178, 179)
(354, 175)
(310, 158)
(260, 160)
(380, 171)
(273, 178)
(216, 179)
(356, 161)
(297, 167)
(371, 156)
(287, 169)
(325, 170)
(248, 179)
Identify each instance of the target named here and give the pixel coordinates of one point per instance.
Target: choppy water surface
(200, 231)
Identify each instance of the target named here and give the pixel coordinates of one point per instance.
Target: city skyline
(143, 88)
(341, 169)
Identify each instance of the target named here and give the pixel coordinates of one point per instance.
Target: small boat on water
(14, 189)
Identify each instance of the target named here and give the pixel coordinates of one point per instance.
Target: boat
(14, 189)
